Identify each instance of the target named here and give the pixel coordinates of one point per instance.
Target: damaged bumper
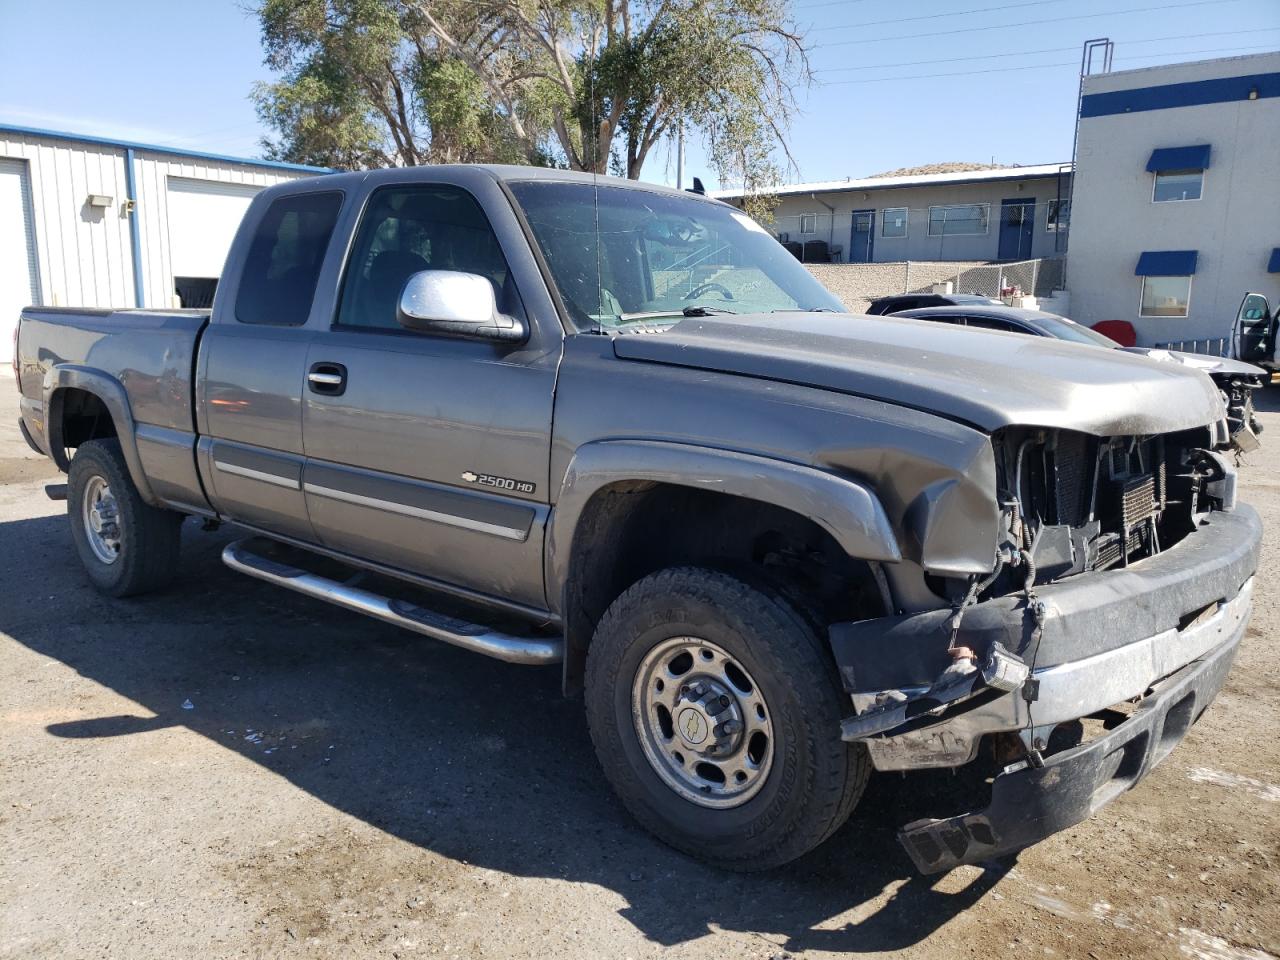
(1171, 622)
(1030, 803)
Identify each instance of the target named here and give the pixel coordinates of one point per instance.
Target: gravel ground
(229, 770)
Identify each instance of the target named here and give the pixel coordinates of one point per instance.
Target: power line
(1040, 66)
(1024, 53)
(959, 73)
(937, 16)
(1029, 23)
(830, 3)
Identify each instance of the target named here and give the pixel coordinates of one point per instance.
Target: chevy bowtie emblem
(470, 477)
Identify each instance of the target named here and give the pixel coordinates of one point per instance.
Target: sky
(897, 84)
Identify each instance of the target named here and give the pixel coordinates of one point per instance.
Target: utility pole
(680, 156)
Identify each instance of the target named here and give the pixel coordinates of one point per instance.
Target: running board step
(240, 556)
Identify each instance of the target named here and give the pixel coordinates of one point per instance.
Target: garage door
(18, 277)
(203, 217)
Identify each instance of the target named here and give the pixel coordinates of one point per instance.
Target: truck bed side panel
(151, 353)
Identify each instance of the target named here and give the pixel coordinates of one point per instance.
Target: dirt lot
(227, 770)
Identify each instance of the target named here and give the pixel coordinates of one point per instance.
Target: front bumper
(1029, 803)
(1106, 638)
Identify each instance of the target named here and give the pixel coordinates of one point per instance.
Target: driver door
(425, 452)
(1254, 332)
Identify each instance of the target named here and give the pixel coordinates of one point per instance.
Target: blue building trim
(135, 230)
(1179, 158)
(1197, 93)
(156, 148)
(1166, 263)
(1273, 265)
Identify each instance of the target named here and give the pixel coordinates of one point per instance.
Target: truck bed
(150, 353)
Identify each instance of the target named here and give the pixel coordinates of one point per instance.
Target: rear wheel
(127, 547)
(715, 711)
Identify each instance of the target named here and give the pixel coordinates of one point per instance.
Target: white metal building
(1176, 209)
(93, 222)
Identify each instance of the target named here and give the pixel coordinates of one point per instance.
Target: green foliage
(588, 84)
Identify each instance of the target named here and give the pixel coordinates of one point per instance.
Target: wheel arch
(712, 505)
(74, 394)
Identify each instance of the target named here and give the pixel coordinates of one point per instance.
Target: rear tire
(757, 812)
(127, 547)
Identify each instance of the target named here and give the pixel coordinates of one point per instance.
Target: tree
(588, 84)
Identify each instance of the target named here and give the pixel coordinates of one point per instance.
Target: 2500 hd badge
(502, 483)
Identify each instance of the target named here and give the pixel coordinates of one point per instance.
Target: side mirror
(455, 304)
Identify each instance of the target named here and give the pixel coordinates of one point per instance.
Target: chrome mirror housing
(456, 304)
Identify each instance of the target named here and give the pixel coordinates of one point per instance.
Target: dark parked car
(913, 301)
(1236, 379)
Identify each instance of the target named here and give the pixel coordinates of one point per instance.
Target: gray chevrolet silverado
(561, 419)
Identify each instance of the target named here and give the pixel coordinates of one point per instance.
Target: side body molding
(111, 392)
(846, 509)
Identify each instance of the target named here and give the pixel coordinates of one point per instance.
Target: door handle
(329, 379)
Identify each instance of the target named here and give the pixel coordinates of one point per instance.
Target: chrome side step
(240, 556)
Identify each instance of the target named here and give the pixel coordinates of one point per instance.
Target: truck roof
(500, 172)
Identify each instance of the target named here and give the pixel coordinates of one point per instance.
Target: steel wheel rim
(703, 722)
(101, 514)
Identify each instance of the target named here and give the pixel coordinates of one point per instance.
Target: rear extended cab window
(283, 264)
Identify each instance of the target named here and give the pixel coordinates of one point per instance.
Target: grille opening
(1081, 503)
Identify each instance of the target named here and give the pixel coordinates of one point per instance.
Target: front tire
(127, 547)
(715, 712)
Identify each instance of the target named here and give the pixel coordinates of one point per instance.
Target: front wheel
(127, 547)
(715, 712)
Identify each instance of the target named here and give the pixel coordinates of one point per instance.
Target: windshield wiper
(705, 311)
(686, 312)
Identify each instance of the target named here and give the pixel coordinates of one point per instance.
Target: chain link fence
(1037, 278)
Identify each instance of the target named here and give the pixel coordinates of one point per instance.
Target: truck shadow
(472, 759)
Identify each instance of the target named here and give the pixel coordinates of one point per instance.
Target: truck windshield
(621, 256)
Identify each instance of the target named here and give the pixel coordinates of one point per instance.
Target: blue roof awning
(1179, 158)
(1166, 263)
(1274, 265)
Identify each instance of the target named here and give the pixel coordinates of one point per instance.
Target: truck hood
(983, 378)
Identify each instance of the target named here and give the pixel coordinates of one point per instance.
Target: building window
(961, 219)
(808, 223)
(1165, 296)
(1177, 185)
(1057, 215)
(894, 222)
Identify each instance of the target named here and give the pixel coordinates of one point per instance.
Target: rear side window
(279, 279)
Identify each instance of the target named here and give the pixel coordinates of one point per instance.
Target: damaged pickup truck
(555, 418)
